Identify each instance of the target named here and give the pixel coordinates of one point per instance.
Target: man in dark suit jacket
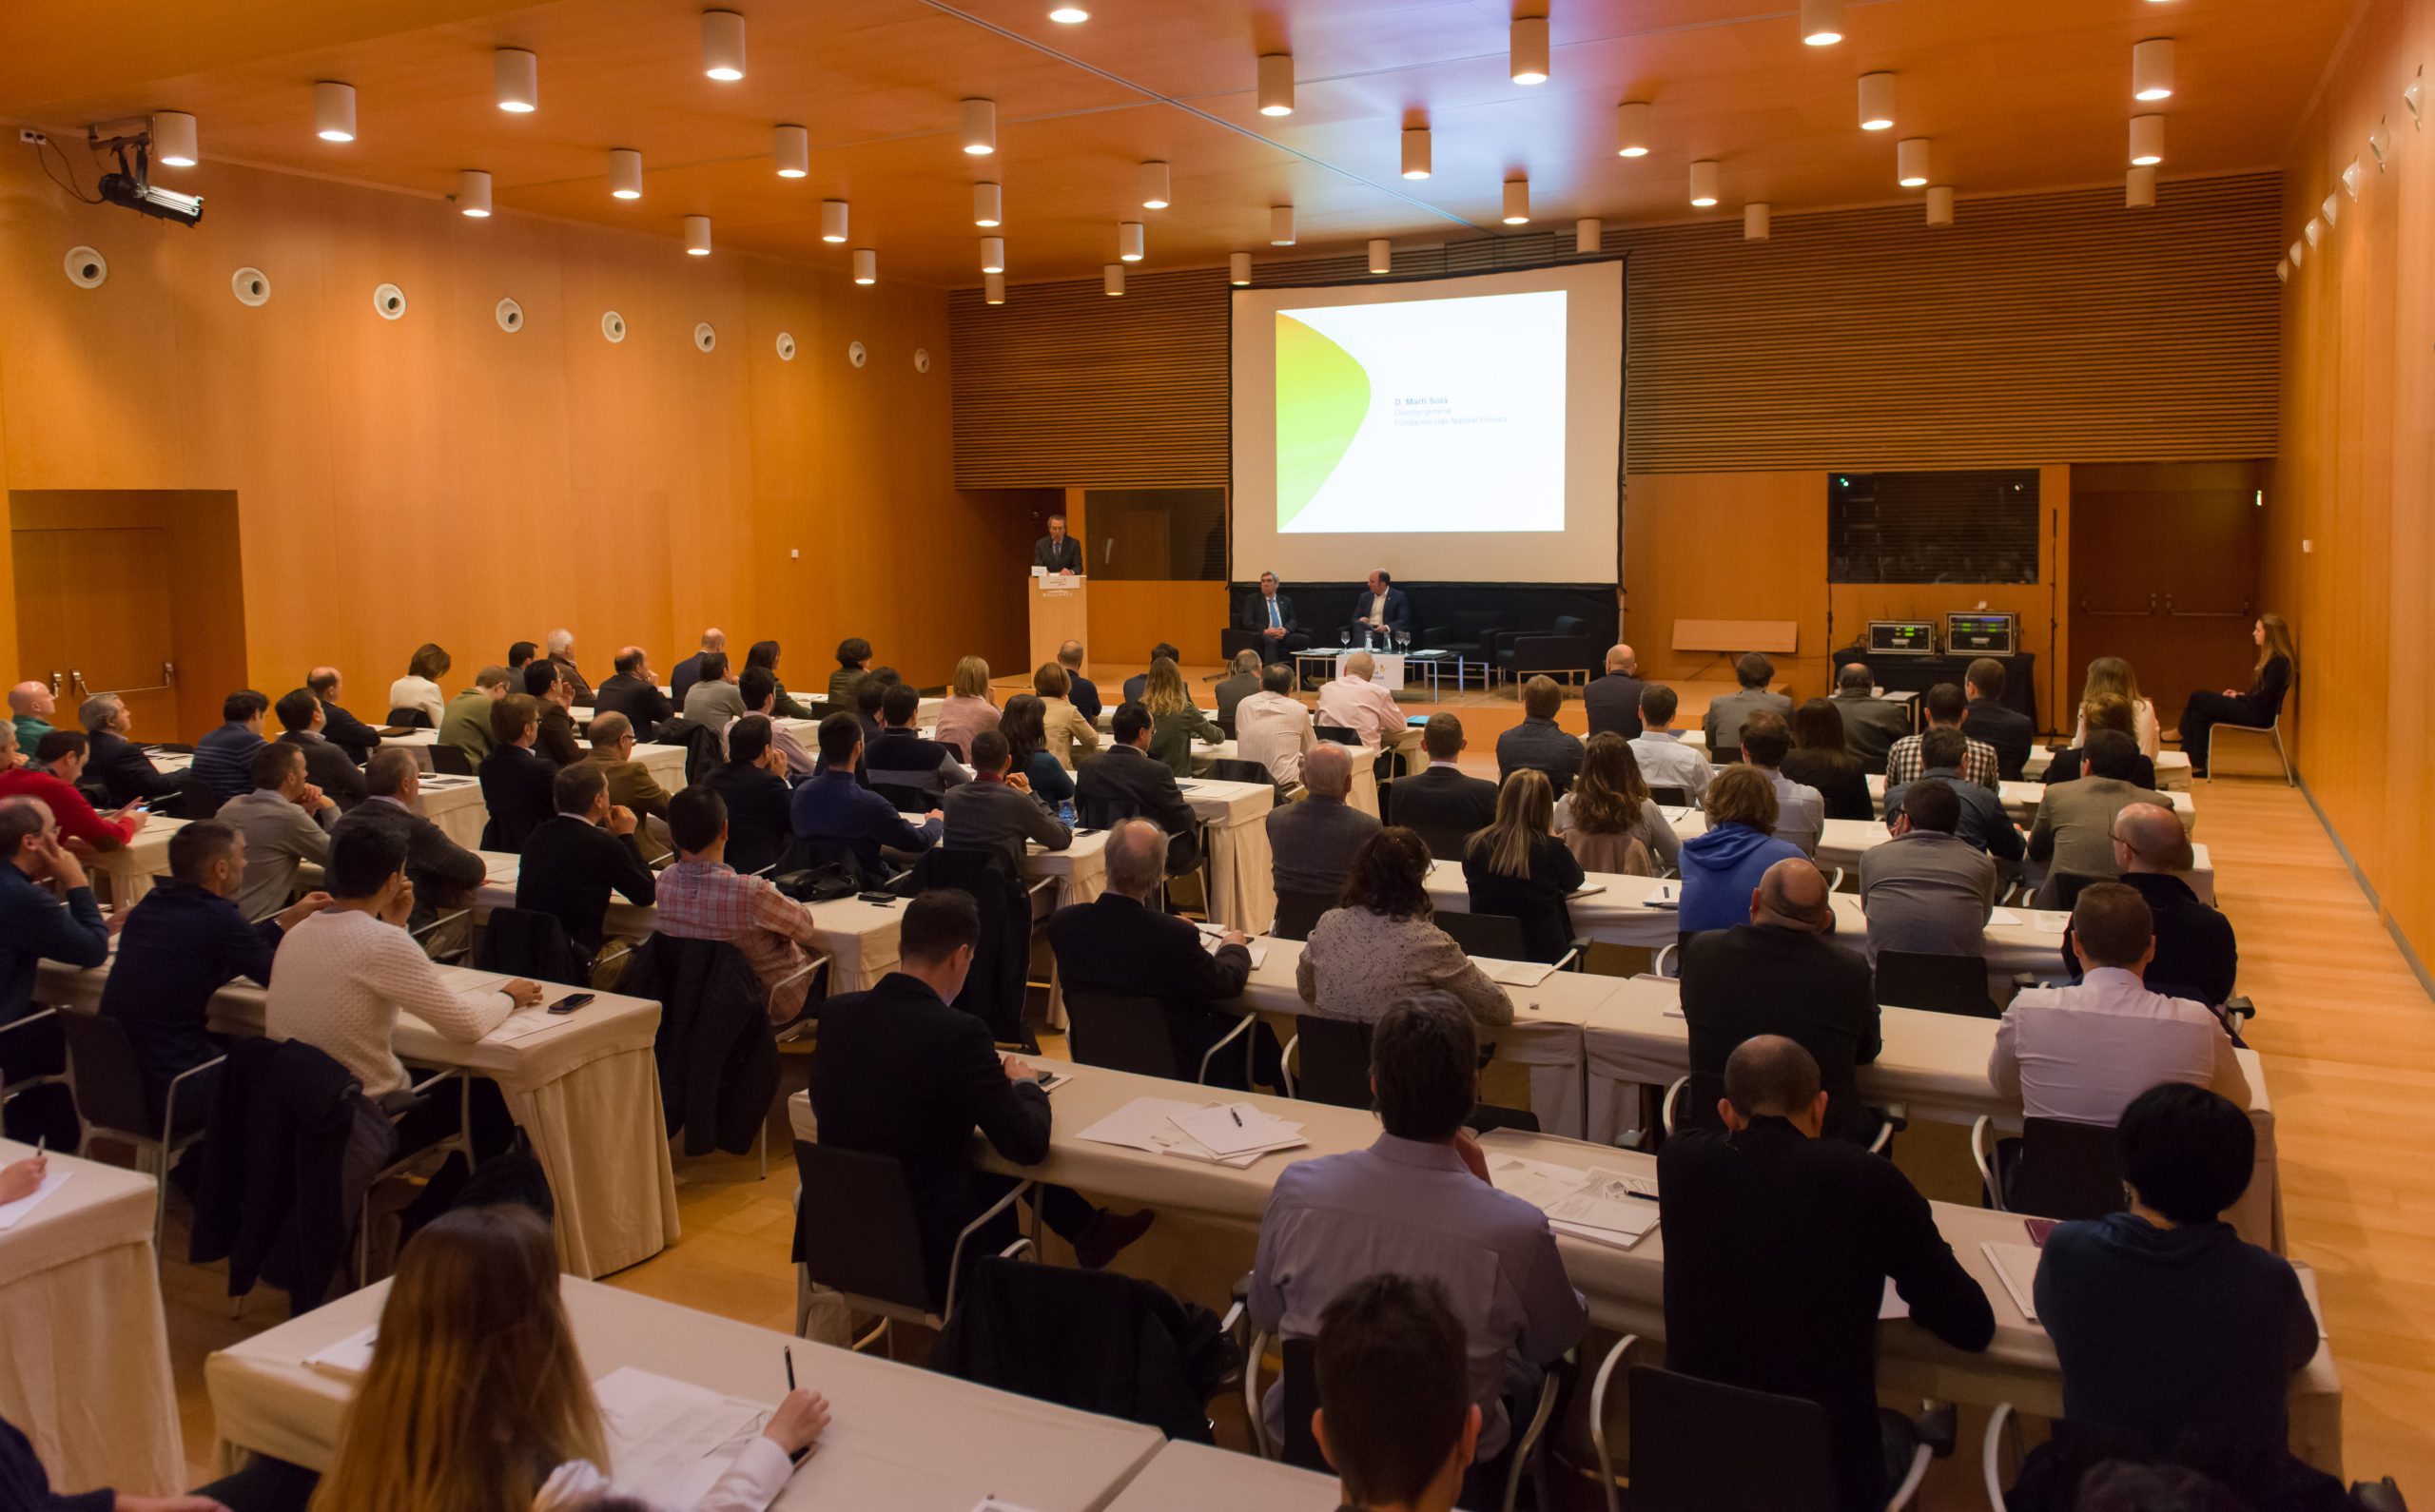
(688, 671)
(900, 1073)
(1988, 719)
(1123, 782)
(1382, 604)
(1871, 725)
(1537, 742)
(115, 762)
(1270, 615)
(348, 733)
(900, 756)
(515, 778)
(629, 690)
(1311, 840)
(1777, 975)
(1440, 803)
(752, 780)
(834, 815)
(1057, 551)
(1612, 701)
(1085, 695)
(575, 857)
(1778, 1248)
(560, 645)
(326, 766)
(444, 873)
(996, 811)
(2197, 955)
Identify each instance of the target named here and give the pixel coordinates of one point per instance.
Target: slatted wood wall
(2038, 328)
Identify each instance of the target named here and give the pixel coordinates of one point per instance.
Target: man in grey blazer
(996, 810)
(2074, 832)
(1311, 843)
(1871, 725)
(1724, 716)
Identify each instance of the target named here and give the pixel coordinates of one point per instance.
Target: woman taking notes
(2261, 705)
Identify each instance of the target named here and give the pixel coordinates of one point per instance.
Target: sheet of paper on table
(12, 1212)
(1148, 1124)
(350, 1356)
(1213, 939)
(2050, 924)
(1519, 973)
(524, 1022)
(1237, 1128)
(2017, 1267)
(1664, 895)
(1607, 1207)
(2005, 919)
(670, 1440)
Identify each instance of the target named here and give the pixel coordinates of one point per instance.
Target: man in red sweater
(52, 776)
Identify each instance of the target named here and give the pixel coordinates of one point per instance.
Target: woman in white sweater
(420, 689)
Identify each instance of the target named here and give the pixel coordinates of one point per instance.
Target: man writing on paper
(1058, 551)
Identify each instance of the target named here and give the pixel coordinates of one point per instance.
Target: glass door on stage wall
(2165, 571)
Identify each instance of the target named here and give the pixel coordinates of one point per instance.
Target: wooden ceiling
(2016, 94)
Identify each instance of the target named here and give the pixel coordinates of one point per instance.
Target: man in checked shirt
(701, 896)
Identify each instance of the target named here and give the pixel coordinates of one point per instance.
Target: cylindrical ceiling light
(1112, 280)
(1758, 222)
(516, 76)
(866, 264)
(1280, 226)
(1382, 255)
(2152, 70)
(1911, 162)
(1822, 22)
(1704, 178)
(980, 127)
(173, 139)
(722, 45)
(1940, 204)
(1128, 241)
(1238, 269)
(2140, 189)
(1631, 129)
(988, 206)
(697, 235)
(993, 287)
(1528, 42)
(1416, 154)
(993, 254)
(474, 193)
(1588, 235)
(625, 174)
(832, 220)
(790, 146)
(1876, 101)
(1276, 83)
(334, 112)
(2147, 140)
(1158, 186)
(1070, 15)
(2283, 271)
(1517, 202)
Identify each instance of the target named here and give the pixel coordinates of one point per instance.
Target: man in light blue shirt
(1664, 761)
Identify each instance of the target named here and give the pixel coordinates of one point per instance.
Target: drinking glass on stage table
(1344, 637)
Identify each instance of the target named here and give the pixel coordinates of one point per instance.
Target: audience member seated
(225, 757)
(1396, 1418)
(1664, 761)
(1240, 682)
(445, 875)
(1778, 1247)
(31, 706)
(1139, 684)
(1068, 736)
(714, 699)
(759, 690)
(1927, 891)
(515, 778)
(327, 767)
(1518, 869)
(2113, 677)
(466, 723)
(630, 783)
(560, 645)
(1126, 941)
(901, 1074)
(1380, 945)
(477, 1397)
(1084, 693)
(420, 689)
(752, 782)
(556, 739)
(1439, 803)
(1175, 722)
(900, 757)
(342, 729)
(1273, 728)
(1986, 718)
(1023, 722)
(853, 664)
(1871, 725)
(629, 690)
(2080, 1053)
(996, 811)
(1123, 782)
(1801, 810)
(1983, 822)
(2103, 711)
(575, 857)
(1612, 701)
(1537, 744)
(1819, 760)
(1608, 820)
(1270, 615)
(2073, 831)
(1418, 1202)
(119, 765)
(832, 813)
(47, 913)
(285, 820)
(2197, 953)
(1723, 723)
(1311, 841)
(688, 671)
(1943, 706)
(1722, 866)
(701, 896)
(1351, 701)
(868, 694)
(522, 655)
(51, 776)
(966, 710)
(182, 942)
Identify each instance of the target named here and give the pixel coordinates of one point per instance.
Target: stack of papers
(1605, 1206)
(525, 1022)
(2017, 1267)
(350, 1356)
(1234, 1134)
(2005, 919)
(670, 1441)
(1516, 973)
(1211, 940)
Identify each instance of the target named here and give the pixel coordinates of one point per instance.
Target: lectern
(1060, 611)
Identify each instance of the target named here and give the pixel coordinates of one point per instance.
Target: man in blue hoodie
(1722, 866)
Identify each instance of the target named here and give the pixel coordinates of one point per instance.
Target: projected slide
(1429, 416)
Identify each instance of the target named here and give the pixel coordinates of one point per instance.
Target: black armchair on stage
(1515, 629)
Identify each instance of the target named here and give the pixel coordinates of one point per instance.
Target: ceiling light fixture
(334, 112)
(790, 148)
(1276, 83)
(1757, 220)
(1128, 241)
(1062, 15)
(1940, 204)
(866, 265)
(516, 75)
(2140, 189)
(474, 193)
(173, 140)
(625, 174)
(993, 254)
(988, 204)
(2332, 207)
(722, 45)
(1588, 235)
(1416, 152)
(1822, 22)
(1876, 101)
(1631, 129)
(993, 287)
(2380, 143)
(1239, 268)
(1527, 42)
(1911, 162)
(1158, 186)
(2351, 177)
(2315, 230)
(1382, 255)
(1280, 226)
(2147, 140)
(980, 124)
(697, 235)
(1704, 178)
(832, 220)
(1517, 202)
(1112, 280)
(2152, 70)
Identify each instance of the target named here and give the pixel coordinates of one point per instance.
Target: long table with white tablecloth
(2020, 800)
(1844, 840)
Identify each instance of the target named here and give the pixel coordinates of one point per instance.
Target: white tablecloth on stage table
(585, 1091)
(1195, 1478)
(900, 1437)
(84, 1343)
(2020, 802)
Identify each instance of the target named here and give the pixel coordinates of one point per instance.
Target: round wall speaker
(252, 286)
(857, 354)
(921, 360)
(786, 346)
(612, 325)
(87, 268)
(390, 301)
(509, 316)
(704, 337)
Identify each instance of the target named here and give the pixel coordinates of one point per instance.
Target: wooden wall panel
(1127, 618)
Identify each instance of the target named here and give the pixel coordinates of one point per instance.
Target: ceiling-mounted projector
(126, 190)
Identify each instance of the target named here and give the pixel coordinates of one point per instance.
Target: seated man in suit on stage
(1270, 615)
(1537, 743)
(1273, 728)
(1240, 682)
(577, 855)
(752, 782)
(1871, 725)
(1439, 803)
(1940, 755)
(1126, 941)
(901, 757)
(124, 773)
(1139, 684)
(1723, 723)
(701, 896)
(1612, 701)
(2197, 953)
(1943, 707)
(832, 813)
(1395, 1417)
(996, 810)
(1381, 606)
(1664, 760)
(1351, 701)
(1986, 718)
(465, 724)
(1058, 551)
(326, 767)
(444, 873)
(629, 690)
(898, 1073)
(515, 778)
(1125, 782)
(348, 733)
(1311, 841)
(688, 671)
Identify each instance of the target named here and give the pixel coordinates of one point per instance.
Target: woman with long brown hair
(2269, 681)
(1820, 759)
(1175, 720)
(1609, 820)
(2111, 677)
(1517, 867)
(478, 1400)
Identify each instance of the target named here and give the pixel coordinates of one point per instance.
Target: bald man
(688, 671)
(1779, 975)
(2197, 953)
(341, 728)
(1311, 841)
(31, 706)
(1613, 701)
(629, 690)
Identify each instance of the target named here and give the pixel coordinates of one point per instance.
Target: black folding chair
(2056, 1168)
(856, 1233)
(1945, 984)
(451, 759)
(1298, 914)
(1493, 937)
(1126, 1031)
(1333, 1056)
(1336, 734)
(108, 1082)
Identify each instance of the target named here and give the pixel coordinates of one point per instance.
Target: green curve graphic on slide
(1322, 395)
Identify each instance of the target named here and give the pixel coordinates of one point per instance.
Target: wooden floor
(2348, 1035)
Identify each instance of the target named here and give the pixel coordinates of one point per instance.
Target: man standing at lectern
(1381, 606)
(1058, 551)
(1272, 616)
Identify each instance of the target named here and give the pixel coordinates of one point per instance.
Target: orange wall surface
(435, 477)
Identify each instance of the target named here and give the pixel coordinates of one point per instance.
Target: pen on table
(788, 1350)
(1237, 1117)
